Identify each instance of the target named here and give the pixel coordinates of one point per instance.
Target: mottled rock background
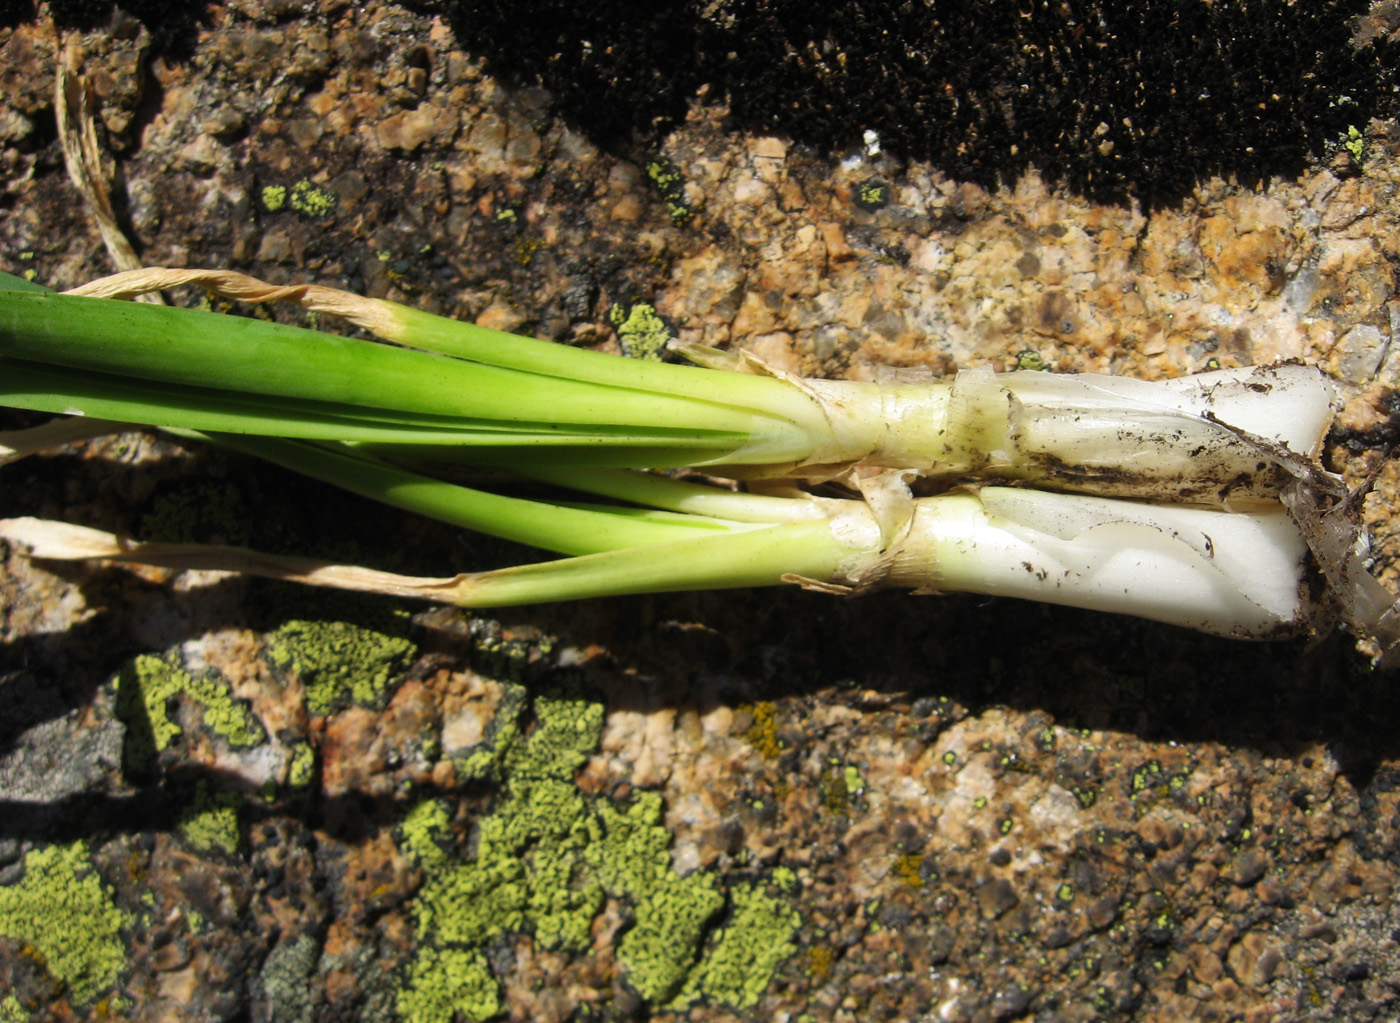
(227, 800)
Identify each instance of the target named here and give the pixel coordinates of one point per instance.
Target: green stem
(277, 364)
(497, 348)
(555, 527)
(676, 495)
(763, 557)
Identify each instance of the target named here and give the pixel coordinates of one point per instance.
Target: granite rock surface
(223, 799)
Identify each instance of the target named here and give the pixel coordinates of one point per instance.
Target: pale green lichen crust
(286, 980)
(548, 859)
(339, 663)
(145, 687)
(63, 912)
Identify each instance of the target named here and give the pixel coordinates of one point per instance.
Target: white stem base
(1226, 573)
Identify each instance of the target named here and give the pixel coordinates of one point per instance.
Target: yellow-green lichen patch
(670, 182)
(504, 658)
(301, 771)
(741, 957)
(146, 687)
(641, 330)
(665, 175)
(471, 903)
(840, 787)
(671, 912)
(1355, 143)
(30, 274)
(855, 784)
(528, 865)
(484, 762)
(64, 913)
(547, 860)
(339, 663)
(564, 896)
(210, 821)
(426, 832)
(446, 984)
(565, 732)
(1146, 777)
(873, 195)
(311, 200)
(1029, 358)
(274, 197)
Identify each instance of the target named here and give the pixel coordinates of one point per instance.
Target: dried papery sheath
(17, 444)
(49, 540)
(1339, 545)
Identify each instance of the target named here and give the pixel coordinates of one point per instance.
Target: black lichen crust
(1110, 99)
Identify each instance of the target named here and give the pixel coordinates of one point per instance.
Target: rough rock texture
(224, 799)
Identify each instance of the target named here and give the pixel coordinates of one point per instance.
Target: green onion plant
(1176, 501)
